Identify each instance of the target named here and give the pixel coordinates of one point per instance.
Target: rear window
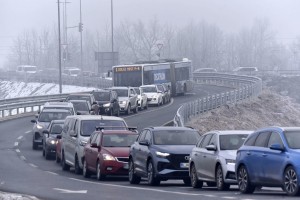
(89, 126)
(175, 137)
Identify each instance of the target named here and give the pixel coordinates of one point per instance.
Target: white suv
(154, 94)
(76, 132)
(128, 99)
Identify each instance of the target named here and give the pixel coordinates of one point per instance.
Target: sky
(230, 15)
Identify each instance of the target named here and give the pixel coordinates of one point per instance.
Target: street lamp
(59, 47)
(112, 26)
(80, 30)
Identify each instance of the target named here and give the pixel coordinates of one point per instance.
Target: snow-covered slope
(20, 89)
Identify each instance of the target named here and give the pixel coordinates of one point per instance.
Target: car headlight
(52, 141)
(122, 102)
(108, 157)
(161, 154)
(38, 126)
(82, 143)
(230, 161)
(106, 105)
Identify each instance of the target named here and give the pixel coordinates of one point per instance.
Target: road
(25, 171)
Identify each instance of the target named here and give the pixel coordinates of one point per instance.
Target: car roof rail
(100, 128)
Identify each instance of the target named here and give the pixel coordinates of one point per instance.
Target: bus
(175, 75)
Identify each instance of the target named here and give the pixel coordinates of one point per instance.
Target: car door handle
(248, 153)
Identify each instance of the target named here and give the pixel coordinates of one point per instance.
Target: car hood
(151, 94)
(117, 151)
(174, 149)
(123, 98)
(44, 124)
(228, 154)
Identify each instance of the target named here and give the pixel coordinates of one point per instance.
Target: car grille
(175, 161)
(122, 159)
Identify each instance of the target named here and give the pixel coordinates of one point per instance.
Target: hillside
(268, 109)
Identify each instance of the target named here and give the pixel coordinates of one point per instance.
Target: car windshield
(137, 90)
(175, 137)
(293, 138)
(49, 116)
(232, 141)
(89, 126)
(149, 89)
(118, 140)
(122, 92)
(101, 96)
(80, 106)
(56, 128)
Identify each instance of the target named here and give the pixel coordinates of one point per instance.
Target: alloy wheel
(291, 181)
(242, 179)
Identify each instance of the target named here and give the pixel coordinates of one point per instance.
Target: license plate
(125, 166)
(184, 165)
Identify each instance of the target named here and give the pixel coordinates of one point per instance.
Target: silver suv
(213, 159)
(128, 99)
(76, 132)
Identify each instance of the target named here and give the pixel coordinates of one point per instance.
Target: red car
(107, 153)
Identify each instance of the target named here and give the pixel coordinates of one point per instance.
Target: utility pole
(80, 29)
(59, 48)
(112, 26)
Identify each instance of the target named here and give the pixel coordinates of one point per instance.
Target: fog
(230, 16)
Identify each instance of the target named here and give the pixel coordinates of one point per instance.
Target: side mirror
(72, 133)
(277, 147)
(58, 137)
(33, 121)
(211, 148)
(144, 142)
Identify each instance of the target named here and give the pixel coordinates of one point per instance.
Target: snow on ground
(20, 89)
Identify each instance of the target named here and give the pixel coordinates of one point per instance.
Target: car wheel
(86, 173)
(100, 176)
(34, 145)
(64, 165)
(194, 178)
(133, 178)
(290, 182)
(221, 185)
(187, 181)
(128, 110)
(244, 183)
(152, 180)
(77, 167)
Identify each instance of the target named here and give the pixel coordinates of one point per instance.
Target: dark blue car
(162, 153)
(270, 157)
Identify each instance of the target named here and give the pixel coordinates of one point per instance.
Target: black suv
(162, 153)
(108, 102)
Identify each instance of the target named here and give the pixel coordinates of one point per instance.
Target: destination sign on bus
(128, 69)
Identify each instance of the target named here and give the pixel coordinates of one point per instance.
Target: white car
(213, 159)
(142, 98)
(154, 95)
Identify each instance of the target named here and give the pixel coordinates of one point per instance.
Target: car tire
(77, 167)
(133, 178)
(187, 181)
(194, 178)
(100, 176)
(128, 110)
(290, 181)
(221, 185)
(64, 165)
(244, 182)
(152, 180)
(85, 172)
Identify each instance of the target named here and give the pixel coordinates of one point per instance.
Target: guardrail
(245, 87)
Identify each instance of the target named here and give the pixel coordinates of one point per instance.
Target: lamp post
(80, 29)
(112, 26)
(59, 47)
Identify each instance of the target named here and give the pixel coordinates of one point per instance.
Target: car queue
(104, 145)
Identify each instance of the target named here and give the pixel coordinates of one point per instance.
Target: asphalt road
(23, 170)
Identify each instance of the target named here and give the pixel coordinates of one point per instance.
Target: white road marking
(71, 191)
(27, 132)
(142, 188)
(228, 197)
(18, 150)
(33, 165)
(20, 137)
(51, 173)
(22, 157)
(209, 195)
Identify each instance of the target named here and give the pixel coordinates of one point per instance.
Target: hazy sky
(230, 15)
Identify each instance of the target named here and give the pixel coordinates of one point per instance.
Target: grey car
(213, 159)
(50, 138)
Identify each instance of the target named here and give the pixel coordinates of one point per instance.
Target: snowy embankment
(20, 89)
